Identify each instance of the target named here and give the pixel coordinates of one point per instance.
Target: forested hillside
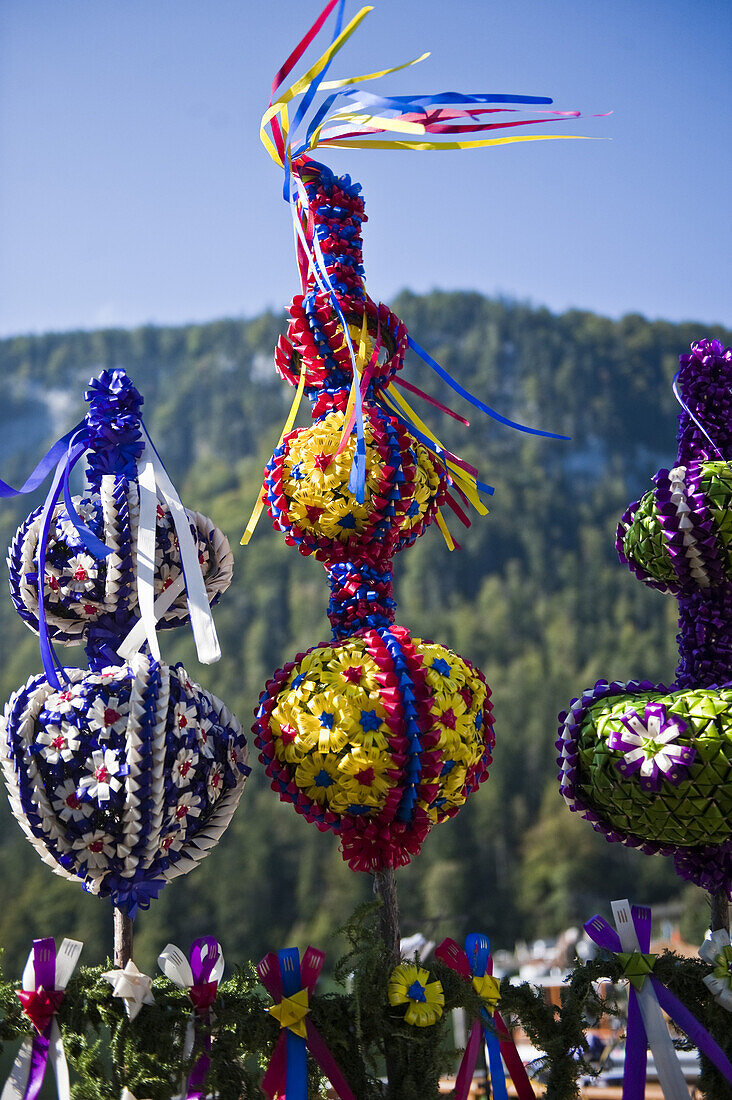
(535, 597)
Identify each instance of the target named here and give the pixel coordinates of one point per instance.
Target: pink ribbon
(283, 975)
(479, 964)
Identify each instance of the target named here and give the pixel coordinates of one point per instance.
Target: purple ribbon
(44, 967)
(204, 956)
(636, 1046)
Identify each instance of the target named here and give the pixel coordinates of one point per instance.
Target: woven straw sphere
(378, 739)
(80, 590)
(125, 778)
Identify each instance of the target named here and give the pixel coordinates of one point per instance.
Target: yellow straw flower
(318, 776)
(410, 985)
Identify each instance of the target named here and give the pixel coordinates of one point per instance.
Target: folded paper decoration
(126, 775)
(200, 976)
(475, 965)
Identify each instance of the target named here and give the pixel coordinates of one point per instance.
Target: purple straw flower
(649, 746)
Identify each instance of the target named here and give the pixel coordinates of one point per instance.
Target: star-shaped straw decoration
(134, 988)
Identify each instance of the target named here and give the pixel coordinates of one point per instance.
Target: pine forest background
(536, 598)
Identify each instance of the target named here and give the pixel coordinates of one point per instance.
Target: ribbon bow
(475, 965)
(45, 977)
(291, 982)
(630, 940)
(200, 977)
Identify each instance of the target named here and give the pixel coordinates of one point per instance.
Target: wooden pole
(122, 938)
(719, 917)
(385, 888)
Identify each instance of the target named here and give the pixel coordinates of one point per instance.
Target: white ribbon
(668, 1067)
(17, 1083)
(154, 482)
(177, 969)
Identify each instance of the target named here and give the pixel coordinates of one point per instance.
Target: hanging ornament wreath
(375, 735)
(649, 765)
(123, 776)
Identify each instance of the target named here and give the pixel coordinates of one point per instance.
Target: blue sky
(134, 187)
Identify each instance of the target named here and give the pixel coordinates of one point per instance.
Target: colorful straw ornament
(649, 765)
(45, 977)
(474, 964)
(199, 975)
(376, 735)
(123, 776)
(648, 1000)
(410, 985)
(291, 981)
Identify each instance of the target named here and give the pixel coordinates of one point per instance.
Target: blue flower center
(369, 720)
(322, 779)
(416, 992)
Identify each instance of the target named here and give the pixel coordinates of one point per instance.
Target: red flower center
(353, 673)
(96, 846)
(448, 718)
(322, 461)
(289, 733)
(59, 742)
(101, 774)
(365, 777)
(185, 768)
(80, 574)
(72, 801)
(111, 716)
(181, 811)
(182, 722)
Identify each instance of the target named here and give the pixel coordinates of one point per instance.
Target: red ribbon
(40, 1005)
(271, 977)
(453, 956)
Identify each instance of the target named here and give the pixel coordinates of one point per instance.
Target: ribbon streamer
(350, 117)
(475, 965)
(291, 983)
(630, 941)
(200, 977)
(45, 978)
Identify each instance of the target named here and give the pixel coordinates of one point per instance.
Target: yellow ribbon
(257, 510)
(356, 143)
(304, 82)
(291, 1012)
(488, 989)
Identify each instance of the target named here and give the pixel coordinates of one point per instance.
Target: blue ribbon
(478, 950)
(297, 1063)
(474, 401)
(132, 894)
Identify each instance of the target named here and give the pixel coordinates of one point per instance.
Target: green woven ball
(697, 810)
(644, 541)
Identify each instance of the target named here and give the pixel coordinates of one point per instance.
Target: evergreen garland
(106, 1051)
